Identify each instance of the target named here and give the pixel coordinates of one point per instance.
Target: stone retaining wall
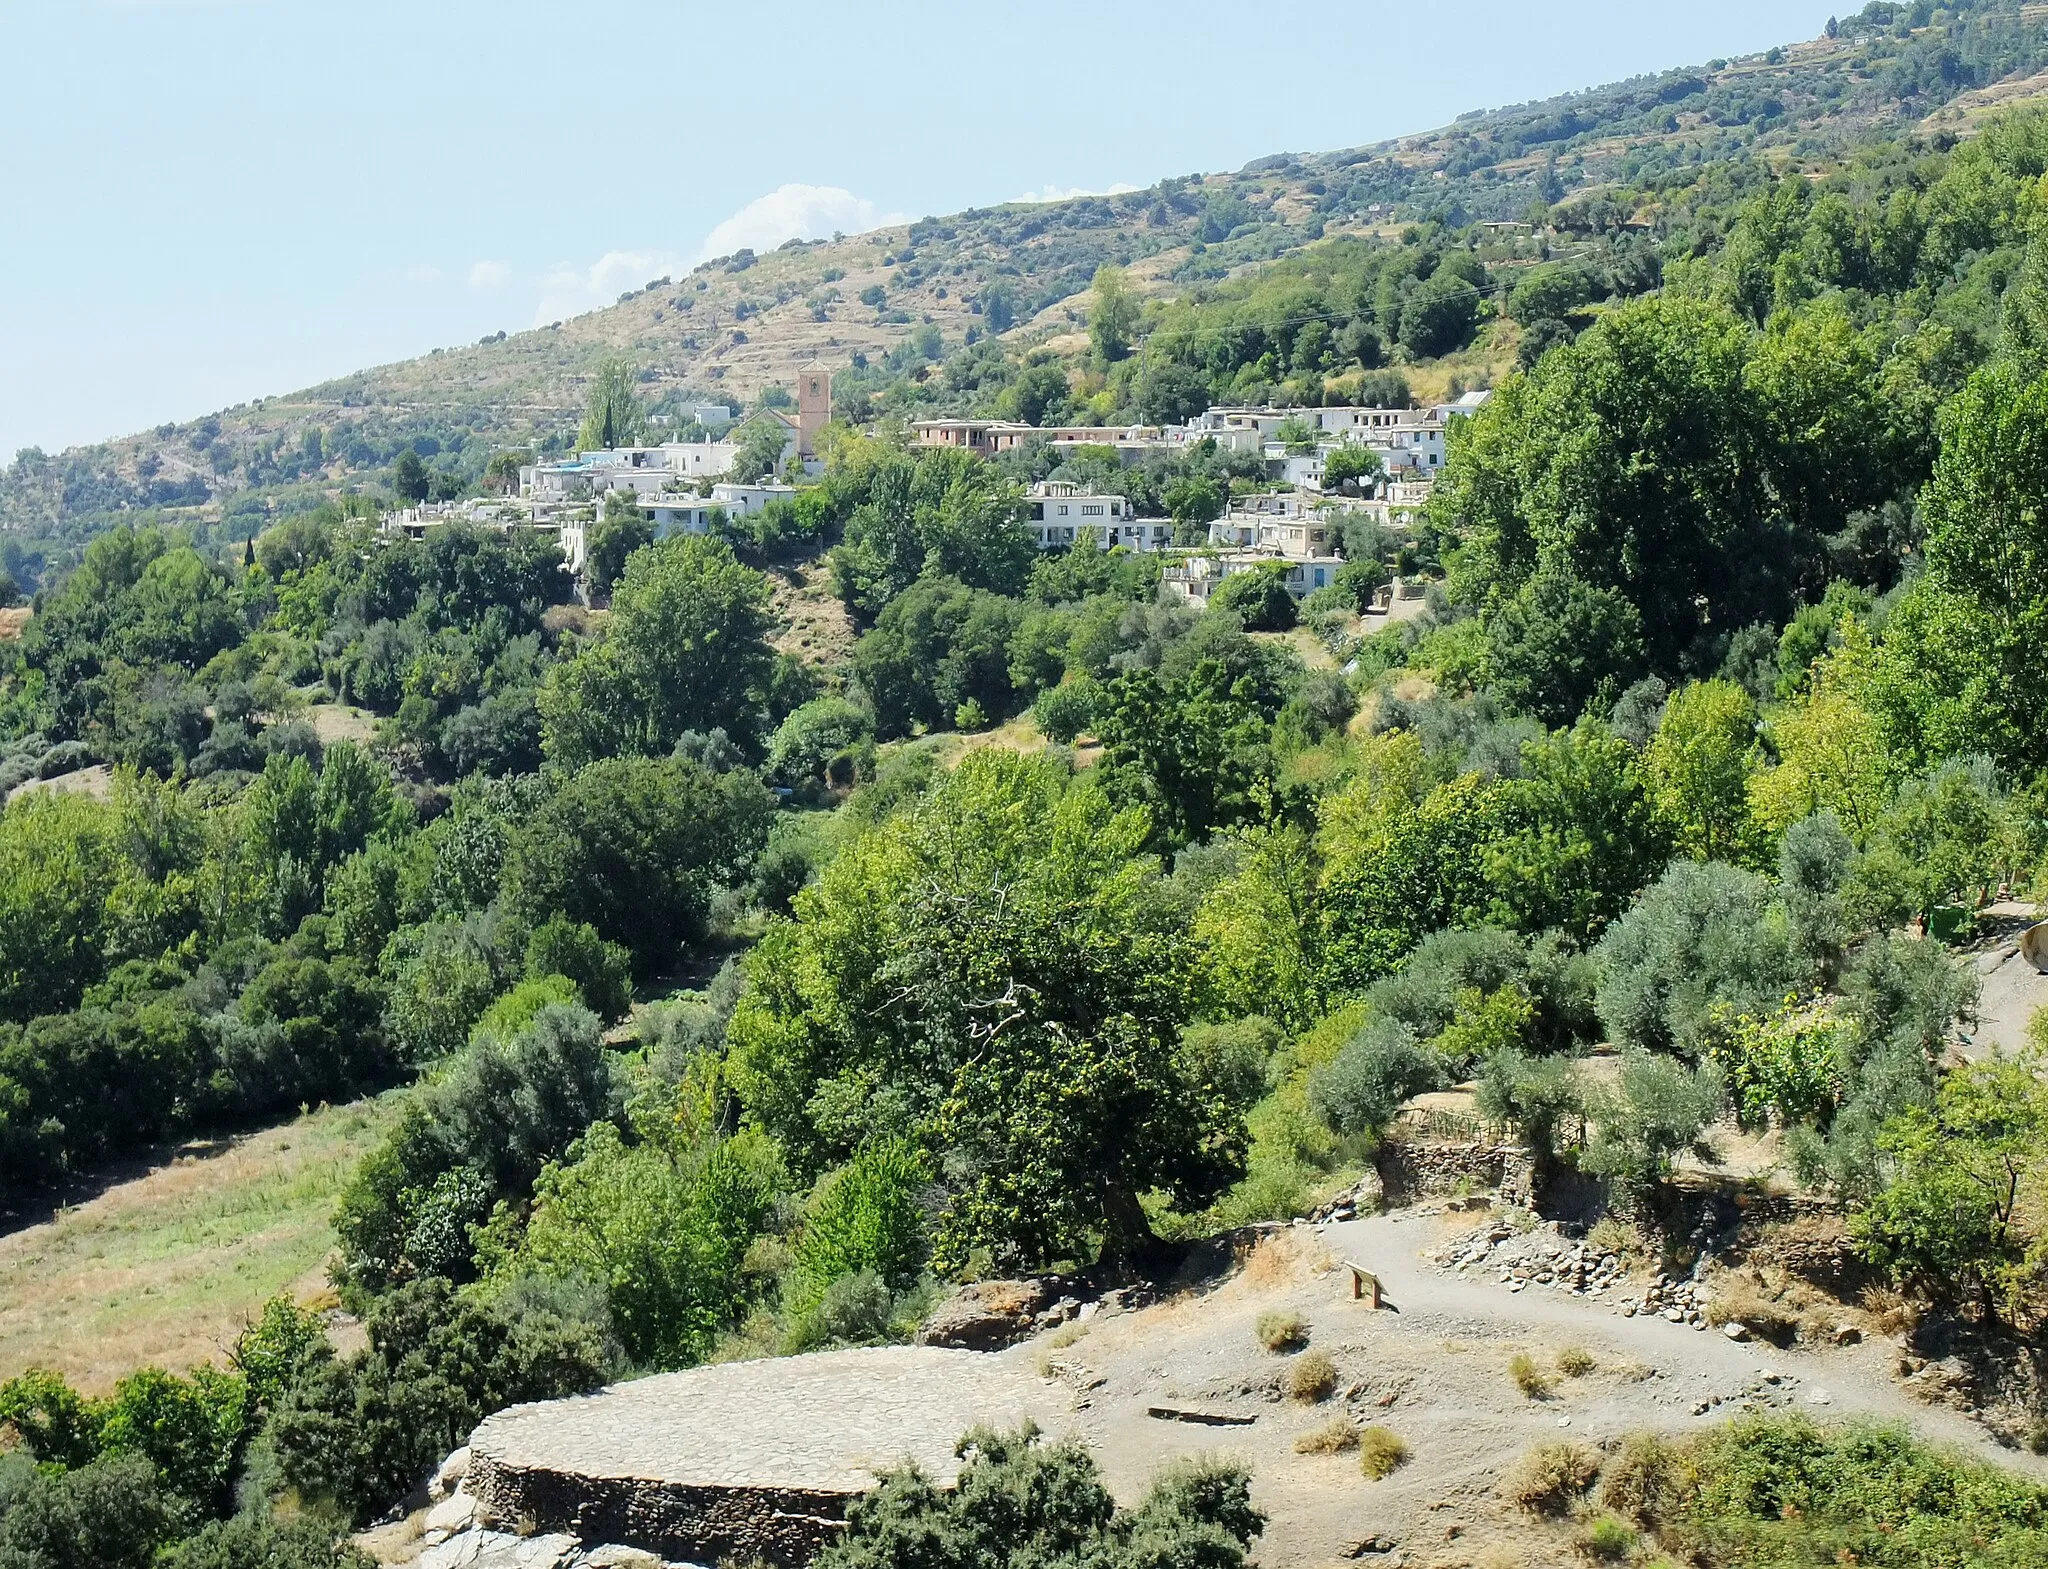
(705, 1525)
(1411, 1168)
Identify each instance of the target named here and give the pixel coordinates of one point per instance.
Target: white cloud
(568, 290)
(1059, 193)
(789, 212)
(489, 275)
(795, 212)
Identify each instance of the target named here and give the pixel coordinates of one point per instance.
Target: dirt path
(1434, 1368)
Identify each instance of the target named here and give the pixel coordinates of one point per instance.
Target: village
(687, 487)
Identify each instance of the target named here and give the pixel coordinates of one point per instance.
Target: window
(1063, 509)
(1038, 512)
(1091, 512)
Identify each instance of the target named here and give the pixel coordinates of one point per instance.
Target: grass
(1607, 1540)
(1575, 1362)
(1530, 1379)
(1313, 1377)
(1065, 1336)
(1332, 1438)
(165, 1269)
(1279, 1331)
(1381, 1452)
(1550, 1478)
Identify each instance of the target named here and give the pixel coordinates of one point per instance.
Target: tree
(1700, 945)
(1193, 751)
(762, 442)
(993, 974)
(612, 416)
(59, 864)
(1956, 1177)
(1656, 1109)
(1020, 1502)
(1258, 597)
(1440, 316)
(686, 649)
(623, 529)
(1349, 464)
(633, 848)
(1700, 759)
(1112, 313)
(1561, 647)
(409, 477)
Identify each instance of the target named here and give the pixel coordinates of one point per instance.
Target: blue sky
(211, 200)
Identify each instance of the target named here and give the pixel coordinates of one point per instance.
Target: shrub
(1528, 1377)
(1313, 1377)
(1280, 1331)
(1363, 1087)
(1381, 1452)
(1259, 597)
(864, 1217)
(602, 971)
(1575, 1362)
(1607, 1540)
(1638, 1481)
(1066, 711)
(1551, 1478)
(258, 1541)
(1332, 1438)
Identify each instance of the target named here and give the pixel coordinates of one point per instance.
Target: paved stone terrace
(817, 1424)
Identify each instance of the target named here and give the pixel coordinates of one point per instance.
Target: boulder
(452, 1515)
(1735, 1331)
(1847, 1335)
(449, 1474)
(985, 1316)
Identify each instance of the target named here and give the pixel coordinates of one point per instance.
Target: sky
(213, 200)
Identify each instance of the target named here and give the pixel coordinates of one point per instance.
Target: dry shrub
(1530, 1379)
(1575, 1362)
(1313, 1377)
(1065, 1336)
(1381, 1452)
(1332, 1438)
(1610, 1234)
(1744, 1299)
(1282, 1331)
(1640, 1478)
(1550, 1478)
(1893, 1311)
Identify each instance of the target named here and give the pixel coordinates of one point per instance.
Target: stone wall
(1412, 1168)
(787, 1526)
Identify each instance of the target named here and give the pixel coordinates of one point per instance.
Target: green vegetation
(1719, 688)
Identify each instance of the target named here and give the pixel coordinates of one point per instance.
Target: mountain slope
(739, 324)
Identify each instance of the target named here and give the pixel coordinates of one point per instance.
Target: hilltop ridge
(741, 323)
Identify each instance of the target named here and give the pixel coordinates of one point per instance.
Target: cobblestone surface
(823, 1423)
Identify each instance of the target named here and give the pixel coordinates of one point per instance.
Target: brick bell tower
(813, 407)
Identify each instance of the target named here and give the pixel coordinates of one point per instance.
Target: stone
(449, 1474)
(453, 1514)
(611, 1555)
(500, 1550)
(1735, 1331)
(1847, 1335)
(1376, 1544)
(985, 1316)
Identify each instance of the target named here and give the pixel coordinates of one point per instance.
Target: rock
(449, 1474)
(1371, 1545)
(612, 1556)
(451, 1516)
(1847, 1335)
(985, 1316)
(500, 1550)
(1735, 1331)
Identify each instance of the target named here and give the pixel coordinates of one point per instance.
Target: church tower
(813, 407)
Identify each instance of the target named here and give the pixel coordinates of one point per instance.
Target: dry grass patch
(1575, 1362)
(1530, 1379)
(1313, 1377)
(168, 1268)
(1551, 1478)
(1744, 1298)
(1065, 1336)
(1278, 1331)
(1381, 1452)
(1334, 1437)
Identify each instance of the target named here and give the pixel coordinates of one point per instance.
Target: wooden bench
(1363, 1283)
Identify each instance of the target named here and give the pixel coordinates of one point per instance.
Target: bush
(1313, 1377)
(806, 742)
(106, 1515)
(1258, 598)
(1551, 1478)
(1381, 1452)
(864, 1218)
(1575, 1362)
(260, 1541)
(1528, 1377)
(1639, 1480)
(1607, 1540)
(1065, 712)
(602, 971)
(1335, 1436)
(1278, 1331)
(1362, 1088)
(1655, 1110)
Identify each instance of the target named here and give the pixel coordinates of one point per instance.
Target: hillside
(1606, 159)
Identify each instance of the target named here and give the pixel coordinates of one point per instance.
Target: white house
(1061, 515)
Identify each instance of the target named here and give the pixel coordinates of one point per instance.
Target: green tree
(686, 649)
(1700, 760)
(624, 528)
(612, 416)
(1112, 313)
(1561, 646)
(59, 865)
(993, 974)
(409, 477)
(1351, 464)
(1020, 1502)
(1194, 751)
(1259, 598)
